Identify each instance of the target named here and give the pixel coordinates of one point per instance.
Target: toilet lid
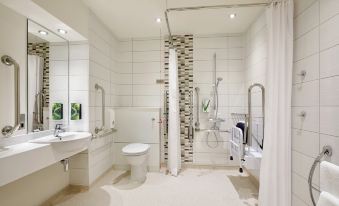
(135, 149)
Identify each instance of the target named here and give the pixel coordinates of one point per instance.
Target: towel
(206, 103)
(329, 178)
(326, 199)
(236, 142)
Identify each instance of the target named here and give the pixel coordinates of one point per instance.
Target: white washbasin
(67, 141)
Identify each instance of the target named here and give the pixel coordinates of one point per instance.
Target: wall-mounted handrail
(327, 151)
(197, 123)
(99, 129)
(250, 111)
(8, 130)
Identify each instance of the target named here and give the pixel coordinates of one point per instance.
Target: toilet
(136, 155)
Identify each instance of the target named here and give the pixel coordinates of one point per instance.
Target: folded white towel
(329, 178)
(326, 199)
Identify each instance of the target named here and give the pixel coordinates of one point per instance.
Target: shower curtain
(275, 173)
(174, 149)
(35, 81)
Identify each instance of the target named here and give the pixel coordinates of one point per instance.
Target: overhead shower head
(7, 60)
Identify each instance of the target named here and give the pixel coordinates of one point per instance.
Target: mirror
(47, 85)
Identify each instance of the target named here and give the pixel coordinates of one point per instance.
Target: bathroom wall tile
(57, 68)
(328, 88)
(306, 94)
(310, 122)
(203, 65)
(99, 58)
(125, 67)
(305, 142)
(147, 45)
(297, 202)
(125, 79)
(58, 52)
(146, 78)
(329, 33)
(79, 67)
(146, 101)
(78, 83)
(307, 21)
(306, 45)
(329, 118)
(124, 90)
(328, 9)
(124, 46)
(301, 5)
(147, 56)
(125, 56)
(147, 90)
(147, 67)
(210, 43)
(329, 62)
(58, 83)
(235, 42)
(310, 65)
(300, 188)
(99, 43)
(78, 51)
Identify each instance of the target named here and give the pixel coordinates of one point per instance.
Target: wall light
(158, 20)
(232, 16)
(42, 32)
(61, 31)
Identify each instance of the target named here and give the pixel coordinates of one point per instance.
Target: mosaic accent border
(184, 48)
(42, 50)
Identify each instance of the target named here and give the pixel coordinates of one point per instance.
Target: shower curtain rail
(192, 8)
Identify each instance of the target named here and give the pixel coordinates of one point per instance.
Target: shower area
(221, 83)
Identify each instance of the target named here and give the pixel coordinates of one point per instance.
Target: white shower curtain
(174, 150)
(35, 81)
(275, 173)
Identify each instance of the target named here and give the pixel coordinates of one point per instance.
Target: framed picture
(75, 111)
(57, 111)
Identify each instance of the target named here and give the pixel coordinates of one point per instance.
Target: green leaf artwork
(57, 111)
(75, 111)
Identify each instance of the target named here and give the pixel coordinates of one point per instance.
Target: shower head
(219, 79)
(7, 60)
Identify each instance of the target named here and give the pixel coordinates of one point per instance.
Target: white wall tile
(329, 62)
(329, 33)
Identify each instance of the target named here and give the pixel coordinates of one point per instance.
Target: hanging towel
(329, 178)
(236, 142)
(326, 199)
(206, 103)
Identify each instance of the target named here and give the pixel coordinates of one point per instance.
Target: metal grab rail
(327, 151)
(197, 123)
(249, 142)
(9, 130)
(99, 129)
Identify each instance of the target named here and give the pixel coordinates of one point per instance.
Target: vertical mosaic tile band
(42, 50)
(184, 48)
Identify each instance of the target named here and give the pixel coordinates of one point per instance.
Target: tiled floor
(194, 187)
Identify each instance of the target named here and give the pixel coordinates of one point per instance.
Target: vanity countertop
(22, 159)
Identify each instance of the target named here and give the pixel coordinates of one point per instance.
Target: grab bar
(250, 111)
(197, 123)
(97, 129)
(190, 128)
(8, 130)
(327, 151)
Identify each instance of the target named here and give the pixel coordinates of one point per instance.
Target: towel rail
(327, 151)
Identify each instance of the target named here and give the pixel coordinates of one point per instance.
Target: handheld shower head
(219, 79)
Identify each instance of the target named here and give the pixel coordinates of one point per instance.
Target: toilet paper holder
(327, 151)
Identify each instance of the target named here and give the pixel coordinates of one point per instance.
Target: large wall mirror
(47, 84)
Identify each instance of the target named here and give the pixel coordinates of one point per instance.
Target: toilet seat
(135, 149)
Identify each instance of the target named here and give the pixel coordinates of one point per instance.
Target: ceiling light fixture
(158, 20)
(232, 16)
(61, 31)
(42, 32)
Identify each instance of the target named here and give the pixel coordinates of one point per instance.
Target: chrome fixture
(226, 6)
(302, 74)
(261, 144)
(190, 128)
(327, 151)
(99, 129)
(302, 114)
(8, 130)
(65, 163)
(57, 130)
(197, 123)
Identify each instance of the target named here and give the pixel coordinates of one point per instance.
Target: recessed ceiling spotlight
(158, 20)
(61, 31)
(42, 32)
(232, 16)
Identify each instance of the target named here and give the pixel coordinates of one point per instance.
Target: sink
(67, 141)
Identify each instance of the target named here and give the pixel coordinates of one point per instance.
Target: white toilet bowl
(136, 155)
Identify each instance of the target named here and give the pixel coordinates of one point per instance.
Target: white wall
(230, 66)
(140, 64)
(256, 64)
(13, 43)
(316, 43)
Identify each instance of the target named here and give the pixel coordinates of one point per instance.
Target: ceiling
(136, 18)
(35, 37)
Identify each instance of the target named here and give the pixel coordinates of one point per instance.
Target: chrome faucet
(58, 129)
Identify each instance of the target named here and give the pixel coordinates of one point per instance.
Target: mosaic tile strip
(184, 48)
(42, 50)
